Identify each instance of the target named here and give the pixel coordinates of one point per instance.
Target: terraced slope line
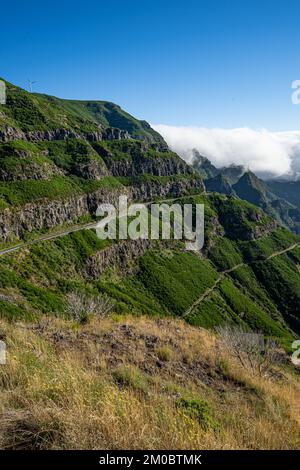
(228, 271)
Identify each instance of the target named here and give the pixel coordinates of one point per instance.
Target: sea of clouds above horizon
(268, 154)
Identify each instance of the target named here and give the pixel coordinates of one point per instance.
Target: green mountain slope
(252, 189)
(60, 159)
(256, 191)
(38, 112)
(244, 276)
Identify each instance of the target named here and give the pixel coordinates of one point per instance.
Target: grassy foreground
(129, 382)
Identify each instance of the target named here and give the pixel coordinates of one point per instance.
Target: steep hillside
(256, 191)
(247, 274)
(232, 172)
(118, 344)
(219, 184)
(253, 189)
(208, 171)
(203, 165)
(55, 170)
(60, 159)
(138, 383)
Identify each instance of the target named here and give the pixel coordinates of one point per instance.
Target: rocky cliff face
(91, 170)
(29, 171)
(151, 190)
(9, 134)
(262, 230)
(112, 133)
(121, 254)
(157, 167)
(49, 214)
(45, 214)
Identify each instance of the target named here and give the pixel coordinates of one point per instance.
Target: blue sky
(190, 63)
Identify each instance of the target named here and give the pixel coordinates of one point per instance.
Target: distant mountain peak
(251, 188)
(219, 184)
(203, 165)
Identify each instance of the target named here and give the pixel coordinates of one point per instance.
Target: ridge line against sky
(224, 64)
(218, 74)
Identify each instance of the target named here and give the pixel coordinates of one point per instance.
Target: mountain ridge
(60, 158)
(277, 198)
(29, 112)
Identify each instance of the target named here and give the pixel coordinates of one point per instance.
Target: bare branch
(82, 305)
(250, 349)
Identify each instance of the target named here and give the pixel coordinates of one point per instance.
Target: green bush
(164, 353)
(199, 410)
(130, 376)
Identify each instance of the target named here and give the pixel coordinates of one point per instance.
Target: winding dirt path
(228, 271)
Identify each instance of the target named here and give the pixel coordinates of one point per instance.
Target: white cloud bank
(269, 154)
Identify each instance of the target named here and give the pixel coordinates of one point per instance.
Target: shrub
(252, 350)
(199, 410)
(82, 305)
(130, 376)
(164, 353)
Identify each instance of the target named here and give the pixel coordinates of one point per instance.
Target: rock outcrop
(9, 134)
(120, 254)
(92, 170)
(47, 214)
(165, 166)
(153, 189)
(29, 171)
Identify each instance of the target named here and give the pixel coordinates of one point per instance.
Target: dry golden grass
(115, 384)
